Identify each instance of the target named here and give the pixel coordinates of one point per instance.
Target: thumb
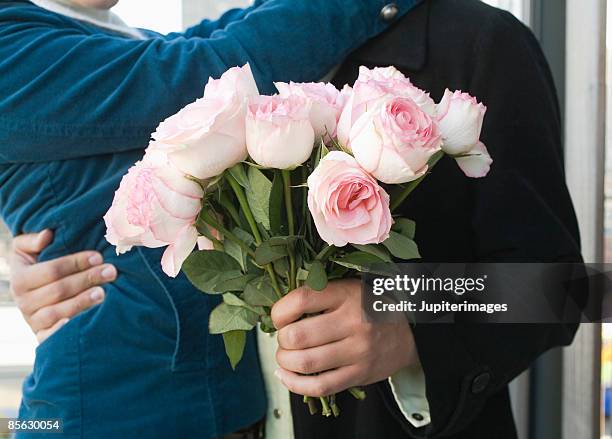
(31, 244)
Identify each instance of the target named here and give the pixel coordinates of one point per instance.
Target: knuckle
(17, 285)
(54, 270)
(23, 305)
(295, 338)
(61, 291)
(320, 388)
(82, 302)
(48, 317)
(91, 278)
(74, 307)
(305, 364)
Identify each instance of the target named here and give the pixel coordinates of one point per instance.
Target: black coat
(520, 212)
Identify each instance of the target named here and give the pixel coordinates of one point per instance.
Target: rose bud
(278, 131)
(326, 104)
(394, 140)
(346, 203)
(156, 205)
(208, 136)
(460, 117)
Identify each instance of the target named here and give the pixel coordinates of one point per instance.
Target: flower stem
(357, 393)
(410, 187)
(334, 407)
(312, 406)
(325, 254)
(246, 209)
(208, 219)
(326, 410)
(244, 205)
(291, 222)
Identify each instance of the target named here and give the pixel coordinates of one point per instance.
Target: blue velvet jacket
(77, 105)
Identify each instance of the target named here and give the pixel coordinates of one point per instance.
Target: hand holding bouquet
(289, 190)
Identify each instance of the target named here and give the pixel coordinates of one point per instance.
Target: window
(163, 17)
(520, 8)
(17, 343)
(172, 15)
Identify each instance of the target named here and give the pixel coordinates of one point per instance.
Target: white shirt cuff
(408, 388)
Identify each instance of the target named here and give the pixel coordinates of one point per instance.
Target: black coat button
(389, 12)
(480, 383)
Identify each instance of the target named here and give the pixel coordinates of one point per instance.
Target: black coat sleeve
(521, 212)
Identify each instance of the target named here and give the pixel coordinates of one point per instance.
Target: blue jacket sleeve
(65, 93)
(207, 26)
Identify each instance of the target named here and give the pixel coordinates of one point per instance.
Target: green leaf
(401, 246)
(267, 325)
(233, 300)
(377, 250)
(237, 171)
(210, 184)
(283, 240)
(317, 278)
(234, 342)
(254, 165)
(267, 253)
(258, 195)
(225, 318)
(236, 284)
(405, 226)
(259, 292)
(337, 272)
(245, 237)
(235, 251)
(360, 261)
(204, 229)
(324, 150)
(209, 268)
(302, 274)
(281, 267)
(277, 211)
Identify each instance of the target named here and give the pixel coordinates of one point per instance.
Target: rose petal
(176, 253)
(478, 163)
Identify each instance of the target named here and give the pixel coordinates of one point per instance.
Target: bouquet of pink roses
(293, 189)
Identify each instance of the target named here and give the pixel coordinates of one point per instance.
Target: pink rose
(278, 131)
(395, 83)
(326, 104)
(460, 117)
(235, 81)
(394, 140)
(347, 204)
(208, 136)
(373, 85)
(155, 206)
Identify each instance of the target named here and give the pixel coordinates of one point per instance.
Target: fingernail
(95, 259)
(109, 272)
(41, 235)
(63, 322)
(97, 295)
